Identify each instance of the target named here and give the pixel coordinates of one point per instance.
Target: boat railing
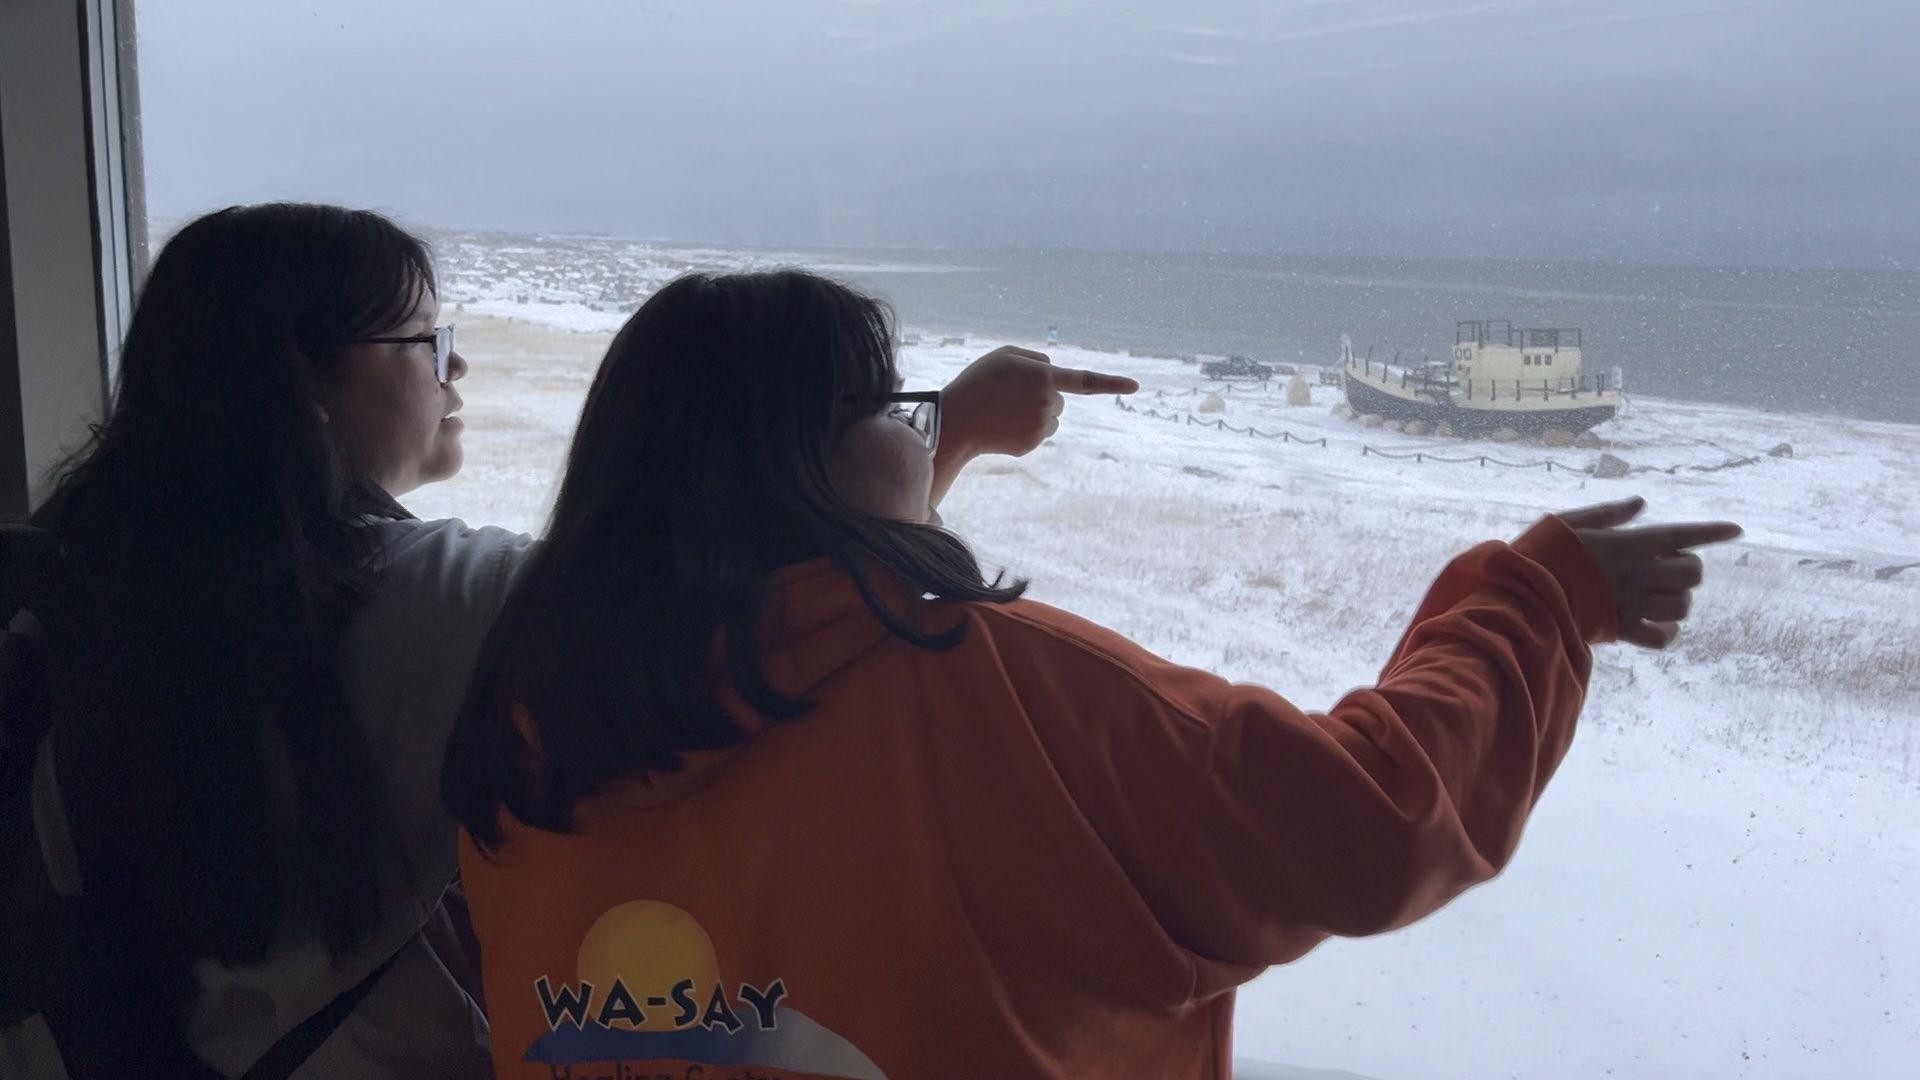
(1408, 378)
(1471, 389)
(1544, 389)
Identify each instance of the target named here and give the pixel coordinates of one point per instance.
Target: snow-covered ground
(1724, 878)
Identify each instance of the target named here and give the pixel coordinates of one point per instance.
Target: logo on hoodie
(648, 989)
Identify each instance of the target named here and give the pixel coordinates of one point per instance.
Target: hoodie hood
(814, 626)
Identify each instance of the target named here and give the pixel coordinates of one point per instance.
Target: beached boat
(1526, 380)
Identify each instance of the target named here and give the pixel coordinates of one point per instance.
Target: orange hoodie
(1043, 853)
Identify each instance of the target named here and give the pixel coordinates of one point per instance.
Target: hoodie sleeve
(1254, 830)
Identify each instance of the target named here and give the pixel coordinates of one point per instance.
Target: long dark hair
(217, 527)
(699, 469)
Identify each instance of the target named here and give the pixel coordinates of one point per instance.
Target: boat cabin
(1495, 349)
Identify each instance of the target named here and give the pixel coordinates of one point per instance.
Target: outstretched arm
(1254, 830)
(1008, 402)
(1379, 811)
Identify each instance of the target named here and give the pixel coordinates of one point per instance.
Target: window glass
(1721, 879)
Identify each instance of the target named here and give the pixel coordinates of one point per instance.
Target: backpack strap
(296, 1046)
(29, 790)
(28, 1049)
(51, 826)
(62, 940)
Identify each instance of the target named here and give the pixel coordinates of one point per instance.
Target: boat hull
(1365, 398)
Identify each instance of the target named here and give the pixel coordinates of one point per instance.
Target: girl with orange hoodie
(760, 777)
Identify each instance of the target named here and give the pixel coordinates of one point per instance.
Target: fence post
(1483, 461)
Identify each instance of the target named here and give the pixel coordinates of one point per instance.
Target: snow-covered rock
(1298, 392)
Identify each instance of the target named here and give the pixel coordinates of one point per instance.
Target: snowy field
(1723, 879)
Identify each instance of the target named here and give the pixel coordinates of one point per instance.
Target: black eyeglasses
(441, 339)
(918, 409)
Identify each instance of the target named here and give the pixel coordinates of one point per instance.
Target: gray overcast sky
(1737, 131)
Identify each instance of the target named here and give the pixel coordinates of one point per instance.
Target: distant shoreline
(1786, 341)
(579, 319)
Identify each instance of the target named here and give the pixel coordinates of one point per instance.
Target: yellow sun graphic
(650, 946)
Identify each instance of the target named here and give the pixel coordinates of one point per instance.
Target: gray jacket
(406, 659)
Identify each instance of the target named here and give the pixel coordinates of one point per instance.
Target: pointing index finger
(1078, 381)
(1669, 538)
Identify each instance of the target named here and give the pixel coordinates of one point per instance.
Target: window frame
(72, 228)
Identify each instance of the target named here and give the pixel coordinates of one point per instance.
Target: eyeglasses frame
(930, 398)
(441, 339)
